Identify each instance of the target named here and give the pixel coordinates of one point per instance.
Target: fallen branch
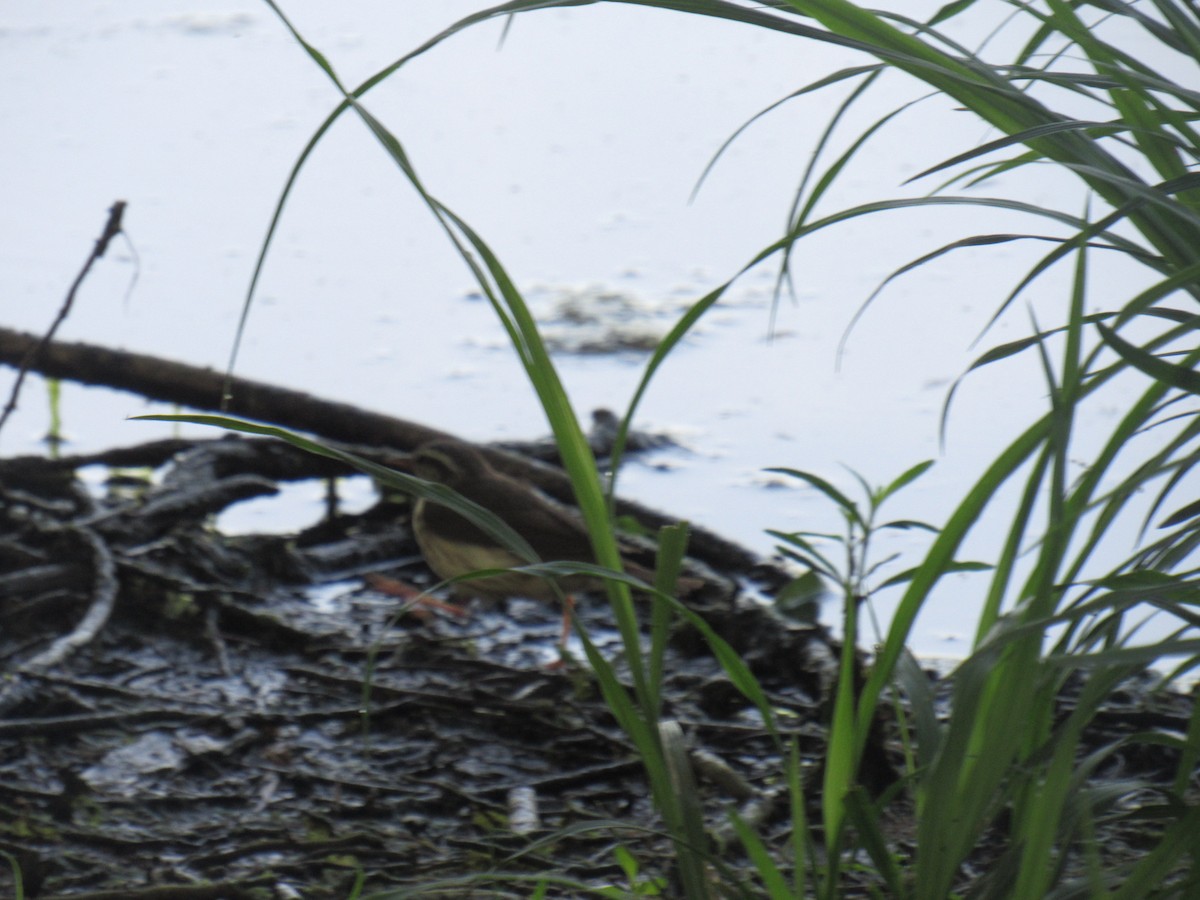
(104, 595)
(202, 389)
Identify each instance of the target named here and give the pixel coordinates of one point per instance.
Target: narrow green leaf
(1180, 377)
(768, 872)
(951, 567)
(1183, 514)
(865, 819)
(437, 493)
(907, 525)
(906, 478)
(849, 507)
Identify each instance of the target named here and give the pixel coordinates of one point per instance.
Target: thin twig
(104, 595)
(111, 229)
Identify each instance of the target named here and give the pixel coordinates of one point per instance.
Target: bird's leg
(419, 602)
(568, 609)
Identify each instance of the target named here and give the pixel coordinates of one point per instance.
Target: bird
(454, 546)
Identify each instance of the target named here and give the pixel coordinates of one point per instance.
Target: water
(573, 147)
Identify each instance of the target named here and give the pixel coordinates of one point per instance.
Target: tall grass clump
(1091, 92)
(1057, 605)
(1008, 759)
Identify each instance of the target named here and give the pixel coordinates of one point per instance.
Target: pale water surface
(573, 147)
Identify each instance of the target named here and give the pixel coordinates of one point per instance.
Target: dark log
(202, 388)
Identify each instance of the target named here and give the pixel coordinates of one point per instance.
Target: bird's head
(449, 462)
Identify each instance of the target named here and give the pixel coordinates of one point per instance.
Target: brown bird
(454, 546)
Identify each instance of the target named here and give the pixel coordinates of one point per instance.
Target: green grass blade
(773, 882)
(485, 519)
